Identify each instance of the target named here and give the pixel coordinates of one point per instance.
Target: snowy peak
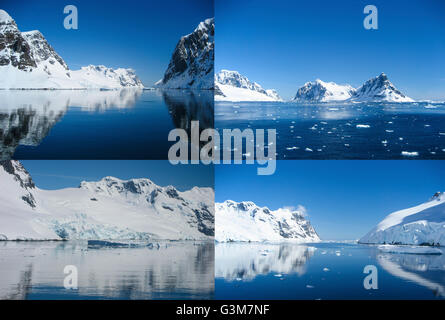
(423, 224)
(135, 209)
(14, 49)
(28, 61)
(380, 89)
(245, 221)
(232, 86)
(320, 91)
(41, 49)
(103, 77)
(191, 65)
(5, 17)
(19, 173)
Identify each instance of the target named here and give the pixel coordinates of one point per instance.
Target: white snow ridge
(378, 89)
(108, 209)
(28, 61)
(232, 86)
(420, 225)
(245, 221)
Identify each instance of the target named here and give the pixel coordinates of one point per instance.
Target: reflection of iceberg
(26, 117)
(424, 270)
(181, 269)
(245, 261)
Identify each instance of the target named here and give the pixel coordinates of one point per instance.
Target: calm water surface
(323, 271)
(164, 270)
(93, 124)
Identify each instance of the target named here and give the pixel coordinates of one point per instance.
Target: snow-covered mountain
(245, 221)
(420, 225)
(232, 86)
(28, 61)
(107, 209)
(191, 65)
(320, 91)
(378, 89)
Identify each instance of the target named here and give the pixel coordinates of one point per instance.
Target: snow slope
(245, 221)
(28, 61)
(111, 208)
(378, 89)
(422, 224)
(232, 86)
(321, 91)
(191, 65)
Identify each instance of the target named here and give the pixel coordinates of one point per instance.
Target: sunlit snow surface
(324, 271)
(160, 270)
(343, 131)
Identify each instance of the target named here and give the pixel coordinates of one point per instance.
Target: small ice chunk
(325, 269)
(410, 154)
(363, 126)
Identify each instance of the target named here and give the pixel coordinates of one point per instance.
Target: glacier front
(108, 209)
(423, 224)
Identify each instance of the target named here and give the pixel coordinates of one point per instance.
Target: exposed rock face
(380, 89)
(191, 65)
(42, 50)
(320, 91)
(135, 209)
(14, 49)
(28, 61)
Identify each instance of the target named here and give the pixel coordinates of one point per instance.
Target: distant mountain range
(245, 221)
(28, 61)
(191, 65)
(378, 89)
(423, 224)
(232, 86)
(111, 208)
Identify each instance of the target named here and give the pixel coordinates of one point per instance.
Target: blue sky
(284, 43)
(131, 33)
(57, 174)
(344, 199)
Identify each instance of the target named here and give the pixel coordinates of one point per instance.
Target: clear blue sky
(130, 33)
(282, 44)
(57, 174)
(344, 199)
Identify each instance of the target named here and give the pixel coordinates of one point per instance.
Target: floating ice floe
(388, 248)
(363, 126)
(326, 269)
(410, 154)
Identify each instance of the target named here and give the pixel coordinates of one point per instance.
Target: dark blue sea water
(343, 131)
(324, 271)
(92, 124)
(172, 270)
